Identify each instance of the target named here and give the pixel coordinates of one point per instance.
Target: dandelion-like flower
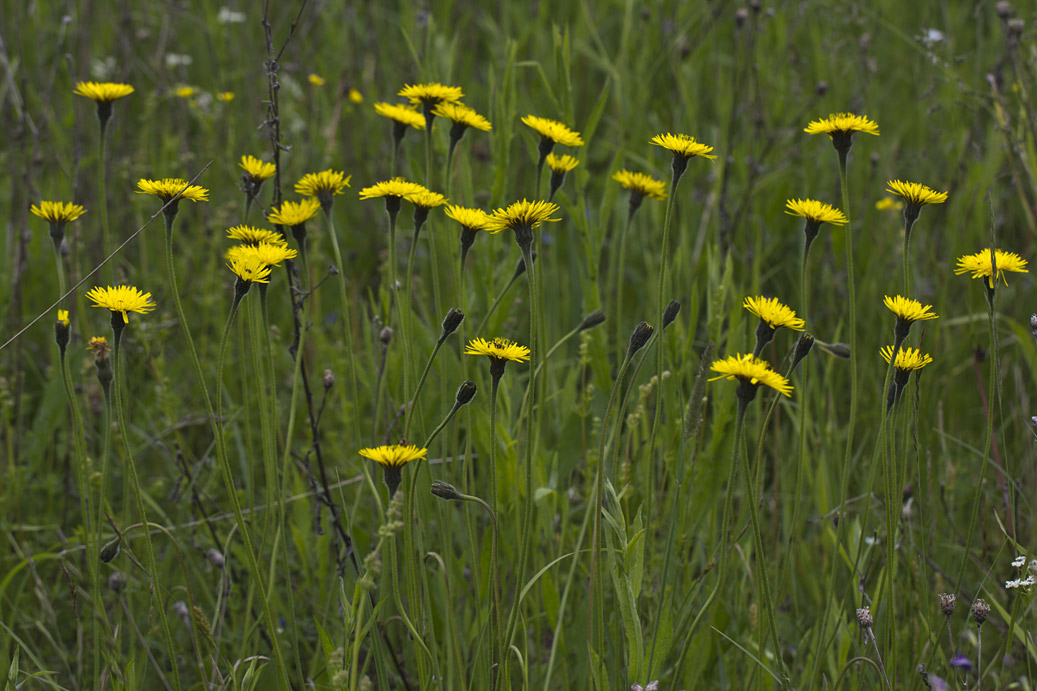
(552, 131)
(750, 371)
(462, 116)
(102, 92)
(561, 164)
(122, 300)
(916, 195)
(840, 127)
(907, 312)
(271, 254)
(683, 145)
(57, 214)
(167, 188)
(315, 79)
(401, 115)
(62, 330)
(908, 359)
(294, 214)
(225, 96)
(396, 187)
(323, 185)
(773, 313)
(980, 265)
(257, 169)
(815, 211)
(253, 236)
(472, 221)
(522, 217)
(888, 204)
(249, 268)
(392, 458)
(498, 349)
(63, 318)
(640, 185)
(431, 94)
(426, 199)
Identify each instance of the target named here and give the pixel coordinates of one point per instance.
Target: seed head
(864, 618)
(947, 603)
(980, 611)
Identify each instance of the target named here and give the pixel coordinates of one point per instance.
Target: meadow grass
(639, 524)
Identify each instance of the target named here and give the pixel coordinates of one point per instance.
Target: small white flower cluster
(1023, 583)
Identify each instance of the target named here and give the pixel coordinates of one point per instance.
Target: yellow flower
(473, 219)
(522, 215)
(750, 369)
(355, 96)
(561, 164)
(397, 187)
(57, 212)
(908, 359)
(258, 170)
(253, 236)
(842, 123)
(462, 116)
(271, 254)
(908, 310)
(98, 345)
(773, 312)
(394, 455)
(294, 213)
(498, 349)
(431, 94)
(250, 269)
(122, 299)
(641, 184)
(916, 194)
(167, 188)
(225, 96)
(315, 79)
(553, 131)
(426, 199)
(886, 203)
(404, 115)
(979, 265)
(63, 318)
(185, 91)
(815, 211)
(322, 185)
(102, 92)
(683, 145)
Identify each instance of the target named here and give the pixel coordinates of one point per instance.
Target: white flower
(229, 16)
(1019, 561)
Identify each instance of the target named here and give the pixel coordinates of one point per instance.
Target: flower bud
(465, 393)
(451, 321)
(670, 313)
(642, 332)
(591, 320)
(445, 490)
(329, 379)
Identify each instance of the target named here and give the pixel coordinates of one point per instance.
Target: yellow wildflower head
(271, 254)
(553, 132)
(257, 169)
(323, 185)
(392, 458)
(640, 185)
(315, 79)
(981, 266)
(253, 236)
(121, 300)
(887, 203)
(522, 215)
(750, 371)
(185, 91)
(908, 359)
(248, 267)
(683, 145)
(225, 96)
(167, 189)
(294, 214)
(773, 313)
(916, 195)
(394, 191)
(431, 94)
(561, 164)
(57, 214)
(473, 219)
(426, 199)
(815, 211)
(104, 94)
(63, 318)
(907, 312)
(462, 116)
(840, 127)
(355, 96)
(501, 351)
(402, 116)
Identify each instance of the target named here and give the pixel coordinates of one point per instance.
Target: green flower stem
(106, 245)
(60, 265)
(496, 303)
(399, 304)
(135, 482)
(596, 609)
(428, 659)
(761, 563)
(892, 502)
(493, 444)
(265, 414)
(526, 536)
(347, 324)
(558, 344)
(417, 391)
(908, 224)
(991, 390)
(216, 424)
(618, 278)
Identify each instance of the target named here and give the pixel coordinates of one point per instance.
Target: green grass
(407, 604)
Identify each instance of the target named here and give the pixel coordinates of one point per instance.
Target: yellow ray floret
(396, 187)
(431, 93)
(427, 199)
(57, 211)
(683, 145)
(294, 213)
(250, 269)
(167, 188)
(751, 369)
(640, 183)
(815, 211)
(498, 348)
(553, 130)
(253, 236)
(845, 123)
(394, 455)
(522, 214)
(772, 311)
(63, 317)
(325, 182)
(268, 253)
(402, 114)
(979, 265)
(908, 310)
(122, 299)
(461, 114)
(257, 169)
(102, 92)
(561, 164)
(908, 359)
(916, 193)
(473, 219)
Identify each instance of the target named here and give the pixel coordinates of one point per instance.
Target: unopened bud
(329, 379)
(465, 393)
(670, 313)
(591, 320)
(444, 490)
(111, 550)
(1004, 9)
(385, 335)
(803, 346)
(451, 321)
(117, 582)
(642, 332)
(1016, 26)
(215, 558)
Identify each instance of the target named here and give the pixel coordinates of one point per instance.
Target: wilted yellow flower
(122, 299)
(751, 369)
